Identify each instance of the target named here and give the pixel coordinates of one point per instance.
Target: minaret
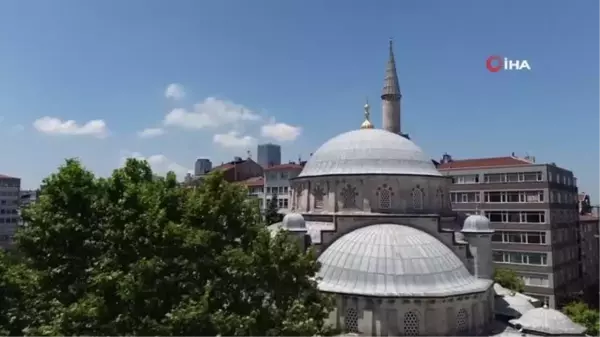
(390, 97)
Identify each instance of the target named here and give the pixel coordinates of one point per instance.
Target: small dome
(394, 260)
(512, 305)
(293, 222)
(549, 321)
(369, 151)
(477, 223)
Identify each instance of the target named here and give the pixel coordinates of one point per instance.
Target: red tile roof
(254, 182)
(284, 167)
(483, 162)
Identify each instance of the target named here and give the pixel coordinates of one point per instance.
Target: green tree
(137, 255)
(580, 313)
(272, 212)
(509, 279)
(17, 289)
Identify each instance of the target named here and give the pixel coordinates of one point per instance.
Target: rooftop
(283, 167)
(484, 162)
(253, 182)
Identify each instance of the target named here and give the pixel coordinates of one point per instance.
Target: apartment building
(533, 209)
(589, 261)
(240, 169)
(277, 183)
(9, 209)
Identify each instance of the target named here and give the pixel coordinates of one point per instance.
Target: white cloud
(151, 133)
(55, 126)
(160, 164)
(175, 91)
(280, 131)
(233, 139)
(212, 112)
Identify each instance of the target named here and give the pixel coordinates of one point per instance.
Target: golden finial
(367, 123)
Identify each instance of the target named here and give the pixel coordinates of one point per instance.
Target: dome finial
(367, 123)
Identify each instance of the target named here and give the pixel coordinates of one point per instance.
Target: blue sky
(292, 64)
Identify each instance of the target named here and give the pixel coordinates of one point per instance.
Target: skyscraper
(202, 166)
(268, 155)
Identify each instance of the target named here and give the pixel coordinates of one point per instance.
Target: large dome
(369, 151)
(394, 260)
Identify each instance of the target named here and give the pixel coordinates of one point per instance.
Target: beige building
(533, 208)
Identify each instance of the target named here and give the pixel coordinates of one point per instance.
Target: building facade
(589, 257)
(202, 166)
(268, 155)
(239, 169)
(533, 208)
(277, 184)
(9, 209)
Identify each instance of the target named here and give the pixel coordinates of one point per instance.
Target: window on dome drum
(516, 217)
(318, 195)
(411, 324)
(349, 196)
(417, 197)
(439, 197)
(536, 238)
(538, 259)
(384, 196)
(351, 320)
(462, 321)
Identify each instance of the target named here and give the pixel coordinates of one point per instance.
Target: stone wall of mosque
(374, 194)
(456, 315)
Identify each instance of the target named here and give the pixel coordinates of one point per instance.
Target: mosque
(397, 258)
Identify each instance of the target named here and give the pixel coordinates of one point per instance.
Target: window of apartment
(516, 216)
(559, 197)
(550, 177)
(532, 176)
(283, 175)
(536, 281)
(513, 177)
(558, 178)
(466, 179)
(494, 178)
(285, 189)
(537, 238)
(465, 197)
(514, 196)
(539, 259)
(565, 180)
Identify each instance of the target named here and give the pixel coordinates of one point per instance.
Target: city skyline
(236, 87)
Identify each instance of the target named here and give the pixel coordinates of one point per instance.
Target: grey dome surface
(477, 224)
(549, 321)
(369, 151)
(293, 222)
(394, 260)
(512, 305)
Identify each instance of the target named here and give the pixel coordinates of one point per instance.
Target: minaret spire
(367, 123)
(391, 95)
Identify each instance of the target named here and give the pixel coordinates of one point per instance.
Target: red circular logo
(494, 63)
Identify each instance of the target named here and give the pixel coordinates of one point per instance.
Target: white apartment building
(276, 183)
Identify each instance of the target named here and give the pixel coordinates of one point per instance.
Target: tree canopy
(509, 279)
(135, 255)
(272, 212)
(580, 313)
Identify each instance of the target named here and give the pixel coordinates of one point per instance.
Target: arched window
(417, 197)
(411, 324)
(351, 320)
(349, 196)
(384, 197)
(439, 198)
(462, 321)
(318, 195)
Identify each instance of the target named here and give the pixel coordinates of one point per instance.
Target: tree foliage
(272, 212)
(580, 313)
(509, 279)
(135, 255)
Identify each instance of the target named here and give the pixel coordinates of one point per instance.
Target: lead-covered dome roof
(394, 260)
(369, 151)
